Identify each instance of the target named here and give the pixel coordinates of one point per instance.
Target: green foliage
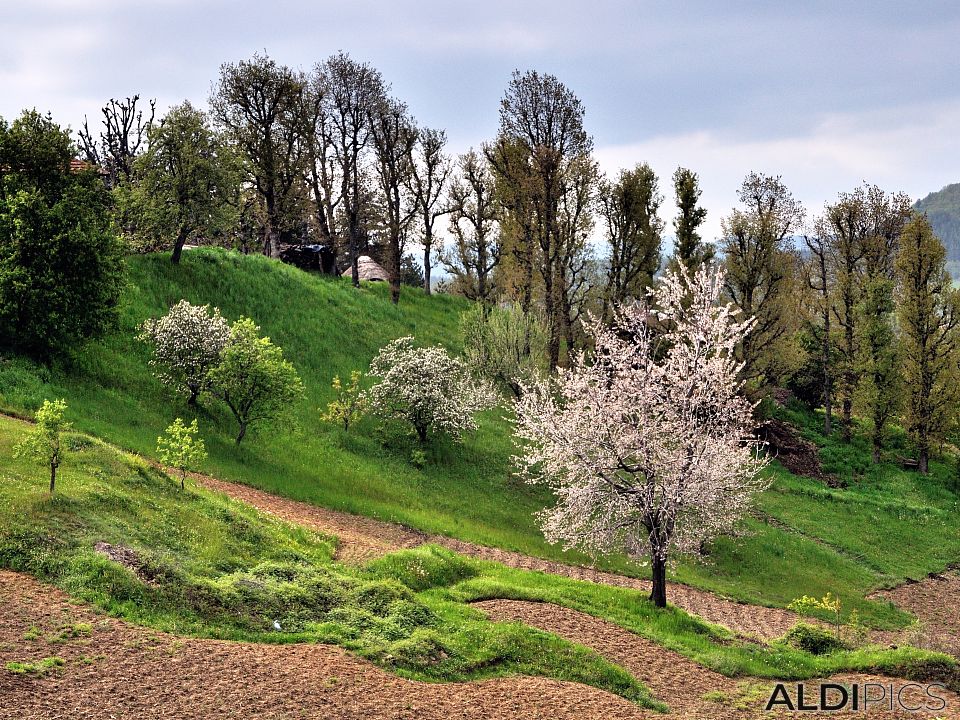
(43, 442)
(184, 186)
(505, 345)
(829, 603)
(942, 208)
(812, 639)
(349, 404)
(61, 266)
(180, 448)
(425, 567)
(38, 668)
(253, 378)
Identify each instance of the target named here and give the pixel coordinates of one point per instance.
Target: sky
(825, 94)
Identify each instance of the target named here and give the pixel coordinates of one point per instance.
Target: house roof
(368, 269)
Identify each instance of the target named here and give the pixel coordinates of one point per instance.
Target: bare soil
(115, 670)
(691, 691)
(935, 600)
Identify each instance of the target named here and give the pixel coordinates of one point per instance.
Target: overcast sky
(826, 94)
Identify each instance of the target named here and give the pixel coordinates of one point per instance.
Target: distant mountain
(943, 209)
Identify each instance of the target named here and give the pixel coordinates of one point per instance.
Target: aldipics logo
(859, 697)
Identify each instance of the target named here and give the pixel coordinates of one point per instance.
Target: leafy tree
(349, 404)
(506, 345)
(475, 251)
(426, 388)
(187, 343)
(180, 448)
(260, 105)
(630, 209)
(61, 265)
(689, 249)
(648, 445)
(929, 314)
(817, 269)
(43, 440)
(186, 184)
(541, 138)
(761, 269)
(253, 378)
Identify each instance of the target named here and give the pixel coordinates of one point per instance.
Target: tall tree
(630, 209)
(260, 104)
(761, 263)
(473, 224)
(321, 171)
(929, 313)
(353, 93)
(125, 135)
(819, 281)
(878, 362)
(543, 119)
(689, 249)
(394, 136)
(428, 178)
(186, 185)
(575, 257)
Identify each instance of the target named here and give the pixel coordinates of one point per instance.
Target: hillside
(805, 538)
(943, 209)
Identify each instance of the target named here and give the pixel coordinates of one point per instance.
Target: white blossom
(427, 388)
(187, 342)
(647, 444)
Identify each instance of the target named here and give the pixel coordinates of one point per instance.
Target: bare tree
(818, 279)
(260, 103)
(473, 224)
(124, 136)
(394, 136)
(428, 178)
(353, 92)
(321, 169)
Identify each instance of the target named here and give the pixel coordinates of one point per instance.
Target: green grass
(887, 525)
(205, 565)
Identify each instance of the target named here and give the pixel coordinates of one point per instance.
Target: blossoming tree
(427, 388)
(187, 343)
(647, 444)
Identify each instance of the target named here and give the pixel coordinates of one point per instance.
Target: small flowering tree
(179, 447)
(187, 342)
(43, 441)
(253, 378)
(426, 388)
(647, 446)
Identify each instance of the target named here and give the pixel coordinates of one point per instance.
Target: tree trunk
(178, 246)
(876, 451)
(427, 245)
(923, 462)
(183, 479)
(658, 595)
(827, 377)
(422, 433)
(243, 431)
(53, 476)
(395, 260)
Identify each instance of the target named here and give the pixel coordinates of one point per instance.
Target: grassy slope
(218, 568)
(887, 525)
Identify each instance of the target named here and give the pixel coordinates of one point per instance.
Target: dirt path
(692, 691)
(362, 538)
(936, 601)
(115, 670)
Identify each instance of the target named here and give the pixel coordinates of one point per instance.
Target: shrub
(506, 345)
(812, 639)
(426, 388)
(349, 404)
(187, 343)
(424, 567)
(61, 265)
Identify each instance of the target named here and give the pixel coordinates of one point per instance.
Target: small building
(368, 269)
